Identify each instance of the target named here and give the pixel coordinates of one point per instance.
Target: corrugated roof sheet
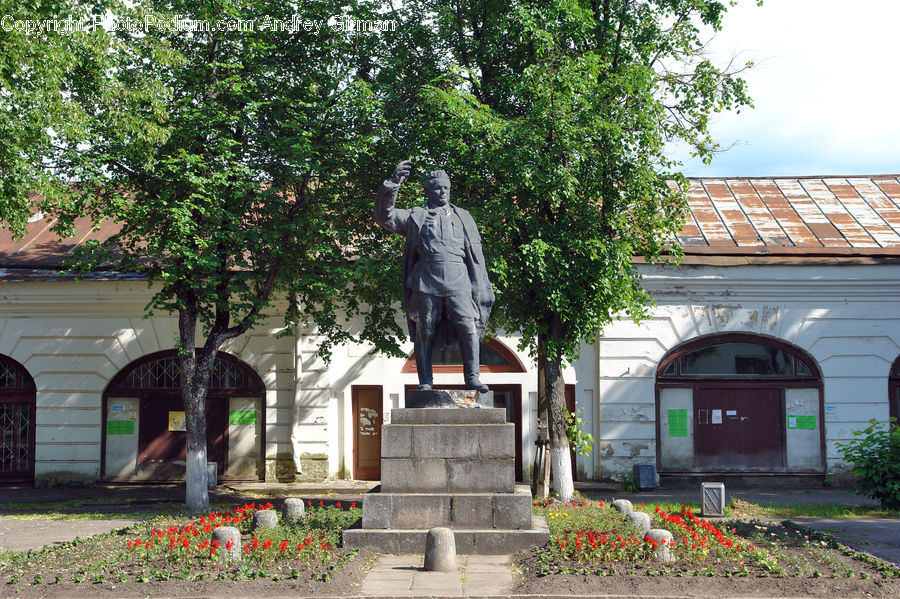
(788, 217)
(814, 216)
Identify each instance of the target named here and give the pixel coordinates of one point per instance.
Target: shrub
(875, 455)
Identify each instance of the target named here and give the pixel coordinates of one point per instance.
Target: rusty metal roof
(802, 216)
(733, 220)
(41, 249)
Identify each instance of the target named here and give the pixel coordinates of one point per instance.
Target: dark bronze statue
(446, 292)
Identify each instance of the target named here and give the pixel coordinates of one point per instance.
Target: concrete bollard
(264, 519)
(622, 505)
(663, 553)
(440, 550)
(229, 539)
(641, 520)
(292, 510)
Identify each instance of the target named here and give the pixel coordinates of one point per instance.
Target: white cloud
(825, 89)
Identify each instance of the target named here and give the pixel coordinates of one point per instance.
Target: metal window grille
(165, 373)
(15, 437)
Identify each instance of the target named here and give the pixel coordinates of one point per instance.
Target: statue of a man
(446, 292)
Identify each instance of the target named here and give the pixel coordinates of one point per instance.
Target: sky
(825, 89)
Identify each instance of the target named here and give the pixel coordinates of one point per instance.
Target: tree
(552, 118)
(222, 147)
(35, 109)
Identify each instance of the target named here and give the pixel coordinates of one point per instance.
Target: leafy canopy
(552, 118)
(224, 156)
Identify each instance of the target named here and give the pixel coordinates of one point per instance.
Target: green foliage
(37, 113)
(225, 157)
(579, 440)
(875, 455)
(552, 119)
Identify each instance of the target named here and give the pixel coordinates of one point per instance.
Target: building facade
(776, 337)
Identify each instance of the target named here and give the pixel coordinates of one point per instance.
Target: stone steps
(460, 510)
(468, 541)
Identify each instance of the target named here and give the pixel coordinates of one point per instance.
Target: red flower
(308, 541)
(353, 505)
(321, 503)
(247, 548)
(267, 544)
(338, 504)
(229, 544)
(284, 546)
(309, 502)
(215, 543)
(268, 505)
(255, 543)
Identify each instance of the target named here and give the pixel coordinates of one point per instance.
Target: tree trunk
(194, 382)
(555, 392)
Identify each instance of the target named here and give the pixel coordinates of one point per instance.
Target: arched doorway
(143, 420)
(739, 403)
(494, 357)
(17, 407)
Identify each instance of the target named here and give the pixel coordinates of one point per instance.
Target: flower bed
(166, 549)
(591, 538)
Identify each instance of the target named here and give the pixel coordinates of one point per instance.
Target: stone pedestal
(448, 467)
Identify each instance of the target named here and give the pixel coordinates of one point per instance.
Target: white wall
(74, 337)
(846, 317)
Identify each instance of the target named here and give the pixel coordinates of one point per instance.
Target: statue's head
(437, 188)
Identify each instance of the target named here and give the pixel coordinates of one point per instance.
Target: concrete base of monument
(452, 468)
(449, 398)
(474, 541)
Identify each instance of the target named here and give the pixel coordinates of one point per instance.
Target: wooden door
(161, 441)
(738, 429)
(367, 419)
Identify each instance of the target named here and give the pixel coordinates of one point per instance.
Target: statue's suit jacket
(409, 223)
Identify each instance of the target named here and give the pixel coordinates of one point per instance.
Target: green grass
(744, 509)
(94, 509)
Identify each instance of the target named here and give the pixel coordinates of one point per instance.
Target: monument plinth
(448, 467)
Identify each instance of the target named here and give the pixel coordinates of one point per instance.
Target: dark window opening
(737, 359)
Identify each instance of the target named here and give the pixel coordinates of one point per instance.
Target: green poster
(677, 423)
(120, 427)
(807, 422)
(242, 417)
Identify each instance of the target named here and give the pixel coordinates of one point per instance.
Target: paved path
(22, 534)
(404, 576)
(877, 536)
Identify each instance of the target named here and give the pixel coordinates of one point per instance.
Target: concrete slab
(878, 536)
(19, 534)
(404, 576)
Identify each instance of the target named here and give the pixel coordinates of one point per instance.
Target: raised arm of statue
(391, 218)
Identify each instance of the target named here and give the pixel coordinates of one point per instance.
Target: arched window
(144, 420)
(17, 406)
(739, 403)
(737, 357)
(493, 357)
(894, 389)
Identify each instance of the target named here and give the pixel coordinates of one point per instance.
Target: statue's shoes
(477, 386)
